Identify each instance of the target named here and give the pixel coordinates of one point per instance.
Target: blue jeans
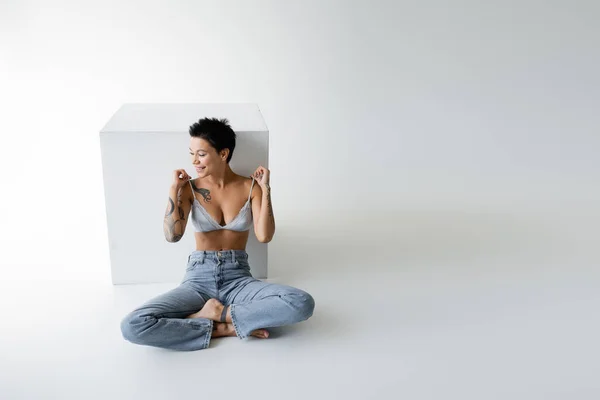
(224, 275)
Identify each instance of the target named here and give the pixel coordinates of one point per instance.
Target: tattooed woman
(218, 295)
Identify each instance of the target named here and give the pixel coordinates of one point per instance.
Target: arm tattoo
(172, 229)
(170, 208)
(270, 207)
(179, 203)
(173, 226)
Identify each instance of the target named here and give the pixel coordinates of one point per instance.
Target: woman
(218, 295)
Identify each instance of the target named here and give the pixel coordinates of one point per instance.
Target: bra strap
(251, 186)
(193, 195)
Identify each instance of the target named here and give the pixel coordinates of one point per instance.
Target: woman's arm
(178, 209)
(262, 208)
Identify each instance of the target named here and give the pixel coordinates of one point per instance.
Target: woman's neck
(222, 179)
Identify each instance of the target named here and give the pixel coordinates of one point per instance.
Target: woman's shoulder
(247, 182)
(244, 180)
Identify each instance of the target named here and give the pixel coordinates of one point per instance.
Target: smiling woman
(218, 295)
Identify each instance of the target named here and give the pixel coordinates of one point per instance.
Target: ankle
(223, 314)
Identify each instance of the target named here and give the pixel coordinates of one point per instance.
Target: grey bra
(204, 222)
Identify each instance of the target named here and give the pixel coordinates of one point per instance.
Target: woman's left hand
(262, 176)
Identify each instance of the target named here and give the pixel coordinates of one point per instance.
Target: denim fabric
(224, 275)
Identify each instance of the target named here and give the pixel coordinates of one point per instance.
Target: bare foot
(260, 333)
(211, 310)
(221, 329)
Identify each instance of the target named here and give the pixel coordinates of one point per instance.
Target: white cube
(141, 145)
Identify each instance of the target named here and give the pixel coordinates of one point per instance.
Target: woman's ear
(224, 154)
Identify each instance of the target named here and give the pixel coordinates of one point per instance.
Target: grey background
(435, 179)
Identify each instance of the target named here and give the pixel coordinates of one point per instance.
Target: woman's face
(204, 157)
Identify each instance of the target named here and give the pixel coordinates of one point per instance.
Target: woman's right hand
(180, 178)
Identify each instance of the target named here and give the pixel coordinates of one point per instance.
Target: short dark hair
(217, 132)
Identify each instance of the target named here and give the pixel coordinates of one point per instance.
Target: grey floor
(445, 306)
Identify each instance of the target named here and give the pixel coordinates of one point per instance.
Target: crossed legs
(185, 318)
